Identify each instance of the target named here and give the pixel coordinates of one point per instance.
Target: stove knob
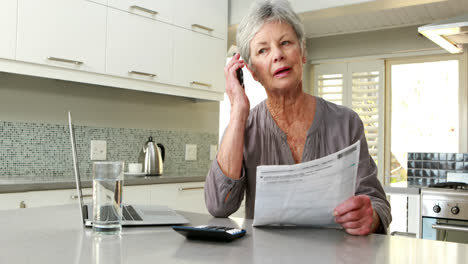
(455, 210)
(436, 209)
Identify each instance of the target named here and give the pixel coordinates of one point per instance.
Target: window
(359, 86)
(255, 92)
(427, 108)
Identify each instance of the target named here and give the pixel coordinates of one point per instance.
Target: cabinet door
(138, 47)
(180, 196)
(42, 198)
(102, 2)
(62, 33)
(199, 60)
(159, 10)
(205, 16)
(136, 195)
(8, 15)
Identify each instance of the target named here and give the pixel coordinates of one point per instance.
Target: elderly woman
(289, 127)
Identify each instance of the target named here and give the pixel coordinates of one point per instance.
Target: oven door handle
(450, 227)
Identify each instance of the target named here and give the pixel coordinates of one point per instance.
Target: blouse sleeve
(218, 186)
(367, 182)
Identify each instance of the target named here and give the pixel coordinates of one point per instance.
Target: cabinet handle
(200, 83)
(143, 73)
(74, 197)
(65, 60)
(203, 27)
(22, 204)
(191, 188)
(144, 9)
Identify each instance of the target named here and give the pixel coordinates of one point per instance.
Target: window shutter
(365, 102)
(359, 86)
(330, 82)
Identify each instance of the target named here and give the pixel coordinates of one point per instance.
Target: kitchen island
(55, 235)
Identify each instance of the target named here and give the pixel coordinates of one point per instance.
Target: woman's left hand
(357, 216)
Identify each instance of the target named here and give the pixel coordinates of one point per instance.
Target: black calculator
(206, 232)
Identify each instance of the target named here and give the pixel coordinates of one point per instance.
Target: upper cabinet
(142, 45)
(69, 34)
(199, 60)
(158, 10)
(8, 28)
(204, 16)
(138, 47)
(102, 2)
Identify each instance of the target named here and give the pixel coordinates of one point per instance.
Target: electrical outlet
(213, 151)
(98, 149)
(190, 152)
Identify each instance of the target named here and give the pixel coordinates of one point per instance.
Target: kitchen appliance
(449, 34)
(444, 212)
(152, 157)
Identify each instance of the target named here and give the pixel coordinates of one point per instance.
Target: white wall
(40, 100)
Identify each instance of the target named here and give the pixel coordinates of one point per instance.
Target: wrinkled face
(276, 58)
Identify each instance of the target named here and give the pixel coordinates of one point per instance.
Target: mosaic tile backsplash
(430, 168)
(42, 152)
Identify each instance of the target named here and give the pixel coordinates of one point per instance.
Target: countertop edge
(27, 187)
(413, 190)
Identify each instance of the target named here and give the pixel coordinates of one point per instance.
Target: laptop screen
(83, 209)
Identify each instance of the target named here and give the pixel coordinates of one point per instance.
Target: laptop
(132, 215)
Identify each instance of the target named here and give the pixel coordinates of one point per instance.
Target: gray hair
(261, 12)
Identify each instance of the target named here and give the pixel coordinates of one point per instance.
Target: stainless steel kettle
(152, 157)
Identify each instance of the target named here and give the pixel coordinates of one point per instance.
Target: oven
(444, 213)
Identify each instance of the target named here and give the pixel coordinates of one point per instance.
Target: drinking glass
(107, 196)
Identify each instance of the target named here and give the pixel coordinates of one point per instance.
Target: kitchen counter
(28, 184)
(403, 188)
(32, 236)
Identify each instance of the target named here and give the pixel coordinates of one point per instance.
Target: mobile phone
(240, 76)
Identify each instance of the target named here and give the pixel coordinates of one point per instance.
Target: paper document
(306, 193)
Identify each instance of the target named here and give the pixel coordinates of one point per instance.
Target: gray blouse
(334, 128)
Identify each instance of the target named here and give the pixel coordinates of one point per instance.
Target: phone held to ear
(240, 76)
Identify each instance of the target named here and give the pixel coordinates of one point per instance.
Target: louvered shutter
(330, 82)
(359, 86)
(367, 96)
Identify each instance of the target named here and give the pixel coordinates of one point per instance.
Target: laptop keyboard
(129, 214)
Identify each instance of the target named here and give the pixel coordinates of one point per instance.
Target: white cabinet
(138, 47)
(205, 16)
(159, 10)
(188, 197)
(119, 43)
(42, 198)
(199, 60)
(137, 194)
(8, 16)
(102, 2)
(179, 196)
(61, 33)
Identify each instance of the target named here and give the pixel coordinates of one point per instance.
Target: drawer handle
(142, 73)
(191, 188)
(74, 197)
(144, 9)
(65, 60)
(200, 83)
(203, 27)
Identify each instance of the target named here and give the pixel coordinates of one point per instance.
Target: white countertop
(402, 188)
(55, 235)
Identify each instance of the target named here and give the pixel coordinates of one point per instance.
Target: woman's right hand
(240, 105)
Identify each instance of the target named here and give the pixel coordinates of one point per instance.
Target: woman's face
(276, 58)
